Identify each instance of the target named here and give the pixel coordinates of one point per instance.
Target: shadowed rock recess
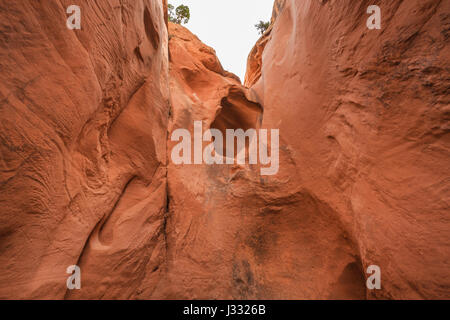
(86, 176)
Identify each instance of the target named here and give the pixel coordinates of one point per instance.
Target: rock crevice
(87, 178)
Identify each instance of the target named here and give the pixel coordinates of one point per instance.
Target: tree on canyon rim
(180, 15)
(262, 26)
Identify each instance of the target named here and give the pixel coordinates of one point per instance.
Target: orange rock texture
(364, 120)
(83, 131)
(233, 233)
(87, 178)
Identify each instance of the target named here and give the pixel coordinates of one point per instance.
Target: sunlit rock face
(83, 129)
(87, 176)
(364, 122)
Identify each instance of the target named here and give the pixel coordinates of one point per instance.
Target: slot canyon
(86, 176)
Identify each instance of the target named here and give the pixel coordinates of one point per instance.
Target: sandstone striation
(364, 117)
(83, 130)
(87, 178)
(233, 233)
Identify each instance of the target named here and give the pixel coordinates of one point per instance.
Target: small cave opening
(236, 112)
(351, 284)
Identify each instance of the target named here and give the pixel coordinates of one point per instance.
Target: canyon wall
(364, 118)
(83, 129)
(233, 233)
(87, 177)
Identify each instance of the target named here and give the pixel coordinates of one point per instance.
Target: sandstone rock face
(87, 177)
(233, 233)
(205, 223)
(83, 130)
(254, 61)
(364, 121)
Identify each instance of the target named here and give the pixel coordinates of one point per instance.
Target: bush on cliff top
(180, 15)
(262, 26)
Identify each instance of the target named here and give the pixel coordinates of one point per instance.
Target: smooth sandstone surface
(86, 176)
(364, 117)
(233, 233)
(83, 131)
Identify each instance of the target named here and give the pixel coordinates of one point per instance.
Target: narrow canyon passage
(278, 234)
(87, 175)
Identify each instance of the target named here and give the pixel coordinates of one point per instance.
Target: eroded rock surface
(87, 178)
(83, 130)
(233, 233)
(364, 118)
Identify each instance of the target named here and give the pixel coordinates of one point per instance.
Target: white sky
(228, 27)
